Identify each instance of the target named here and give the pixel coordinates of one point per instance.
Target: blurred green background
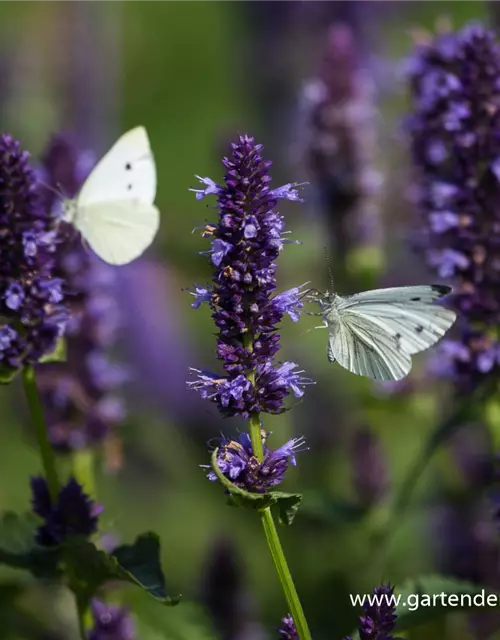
(197, 74)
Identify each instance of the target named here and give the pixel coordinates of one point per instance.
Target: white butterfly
(374, 333)
(114, 210)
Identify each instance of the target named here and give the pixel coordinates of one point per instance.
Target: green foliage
(59, 353)
(138, 564)
(19, 550)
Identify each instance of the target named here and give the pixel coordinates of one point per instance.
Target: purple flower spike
(379, 617)
(73, 513)
(31, 300)
(246, 241)
(287, 631)
(237, 462)
(454, 133)
(81, 396)
(111, 622)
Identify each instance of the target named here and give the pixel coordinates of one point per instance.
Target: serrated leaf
(59, 353)
(421, 591)
(138, 564)
(18, 548)
(287, 503)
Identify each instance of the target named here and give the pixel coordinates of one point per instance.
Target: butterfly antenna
(55, 191)
(329, 268)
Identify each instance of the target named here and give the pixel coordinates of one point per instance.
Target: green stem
(37, 416)
(274, 544)
(83, 470)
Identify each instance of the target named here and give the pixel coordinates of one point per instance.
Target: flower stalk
(245, 243)
(46, 451)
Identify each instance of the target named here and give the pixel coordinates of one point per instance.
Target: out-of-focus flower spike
(337, 144)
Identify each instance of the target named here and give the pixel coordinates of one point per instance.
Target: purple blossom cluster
(32, 312)
(81, 395)
(379, 615)
(246, 240)
(454, 132)
(287, 631)
(73, 513)
(236, 460)
(111, 622)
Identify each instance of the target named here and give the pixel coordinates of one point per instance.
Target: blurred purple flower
(337, 144)
(287, 631)
(31, 294)
(81, 395)
(225, 593)
(454, 132)
(368, 468)
(237, 462)
(246, 241)
(73, 513)
(111, 622)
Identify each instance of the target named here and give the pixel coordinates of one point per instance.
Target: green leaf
(138, 564)
(427, 591)
(19, 550)
(58, 354)
(7, 374)
(286, 503)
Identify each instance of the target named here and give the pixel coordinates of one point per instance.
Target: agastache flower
(287, 631)
(111, 622)
(81, 395)
(73, 512)
(454, 133)
(337, 141)
(246, 241)
(236, 460)
(379, 617)
(32, 313)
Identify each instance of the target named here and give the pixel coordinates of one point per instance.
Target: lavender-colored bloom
(337, 145)
(33, 316)
(379, 617)
(111, 622)
(454, 132)
(225, 593)
(237, 462)
(369, 471)
(246, 241)
(73, 513)
(287, 631)
(81, 395)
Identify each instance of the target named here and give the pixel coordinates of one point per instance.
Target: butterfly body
(114, 210)
(374, 333)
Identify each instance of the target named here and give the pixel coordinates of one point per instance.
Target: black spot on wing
(128, 166)
(415, 299)
(129, 187)
(419, 328)
(442, 289)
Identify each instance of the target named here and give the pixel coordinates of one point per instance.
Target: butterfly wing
(127, 171)
(121, 230)
(405, 313)
(364, 348)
